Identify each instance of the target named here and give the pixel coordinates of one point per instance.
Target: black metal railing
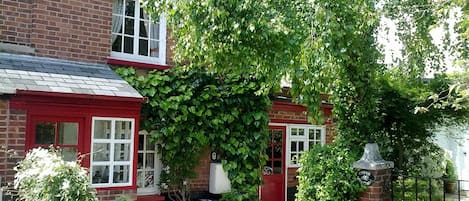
(413, 188)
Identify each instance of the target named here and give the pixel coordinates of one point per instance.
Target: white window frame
(157, 167)
(135, 57)
(112, 141)
(305, 139)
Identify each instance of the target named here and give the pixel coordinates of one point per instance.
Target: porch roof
(31, 73)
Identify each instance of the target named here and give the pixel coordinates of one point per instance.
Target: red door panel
(273, 172)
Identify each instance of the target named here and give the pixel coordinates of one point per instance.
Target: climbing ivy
(189, 110)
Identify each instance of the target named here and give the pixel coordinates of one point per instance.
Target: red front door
(273, 171)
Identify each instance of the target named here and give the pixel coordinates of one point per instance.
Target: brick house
(57, 88)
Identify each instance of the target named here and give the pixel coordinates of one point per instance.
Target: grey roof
(22, 72)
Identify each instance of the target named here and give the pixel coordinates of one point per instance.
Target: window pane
(311, 134)
(100, 174)
(143, 47)
(140, 161)
(128, 45)
(101, 151)
(117, 24)
(121, 174)
(277, 152)
(102, 129)
(293, 146)
(150, 161)
(68, 133)
(141, 142)
(117, 44)
(130, 8)
(301, 131)
(318, 134)
(123, 130)
(277, 167)
(154, 48)
(150, 144)
(155, 31)
(301, 146)
(129, 26)
(143, 29)
(121, 152)
(311, 144)
(293, 159)
(277, 135)
(140, 179)
(69, 153)
(294, 131)
(117, 7)
(149, 179)
(45, 133)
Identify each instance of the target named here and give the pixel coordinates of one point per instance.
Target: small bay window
(112, 152)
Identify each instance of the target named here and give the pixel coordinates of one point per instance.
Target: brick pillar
(375, 173)
(380, 189)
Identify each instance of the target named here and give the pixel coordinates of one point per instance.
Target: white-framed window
(135, 37)
(112, 151)
(301, 138)
(149, 165)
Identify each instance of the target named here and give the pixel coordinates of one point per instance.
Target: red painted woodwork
(136, 64)
(81, 108)
(31, 132)
(273, 188)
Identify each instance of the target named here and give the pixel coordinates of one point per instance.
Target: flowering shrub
(44, 176)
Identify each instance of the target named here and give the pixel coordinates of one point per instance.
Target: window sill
(116, 61)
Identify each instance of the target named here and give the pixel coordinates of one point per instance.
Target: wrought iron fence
(413, 188)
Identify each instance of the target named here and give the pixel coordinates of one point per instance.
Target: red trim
(293, 107)
(289, 121)
(74, 95)
(137, 64)
(46, 105)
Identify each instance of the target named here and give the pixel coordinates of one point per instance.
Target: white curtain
(117, 17)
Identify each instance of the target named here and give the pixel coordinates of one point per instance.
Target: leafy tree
(322, 46)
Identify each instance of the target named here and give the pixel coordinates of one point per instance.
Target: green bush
(423, 188)
(44, 176)
(326, 174)
(450, 171)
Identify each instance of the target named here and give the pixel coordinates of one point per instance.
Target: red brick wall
(291, 177)
(72, 29)
(77, 30)
(113, 194)
(15, 21)
(203, 173)
(288, 115)
(12, 134)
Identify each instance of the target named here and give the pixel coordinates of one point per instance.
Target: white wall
(457, 149)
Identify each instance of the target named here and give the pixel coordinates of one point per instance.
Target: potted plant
(450, 177)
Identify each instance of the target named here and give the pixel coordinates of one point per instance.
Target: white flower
(252, 28)
(65, 185)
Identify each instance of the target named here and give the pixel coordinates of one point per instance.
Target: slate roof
(22, 72)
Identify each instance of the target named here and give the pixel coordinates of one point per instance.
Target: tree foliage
(189, 110)
(322, 46)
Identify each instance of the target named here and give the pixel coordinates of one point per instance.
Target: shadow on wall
(455, 142)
